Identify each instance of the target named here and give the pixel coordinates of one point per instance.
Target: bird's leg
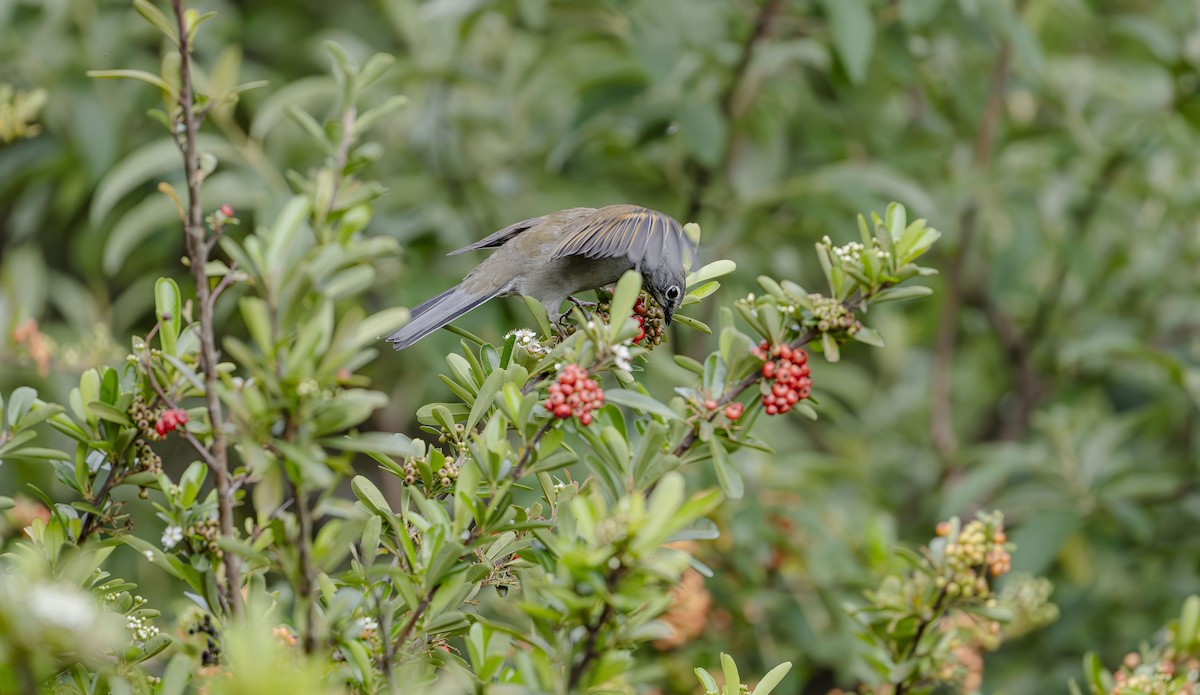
(585, 307)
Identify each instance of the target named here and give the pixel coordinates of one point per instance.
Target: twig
(593, 635)
(304, 588)
(940, 408)
(527, 452)
(225, 283)
(198, 258)
(388, 658)
(411, 623)
(349, 118)
(762, 28)
(903, 685)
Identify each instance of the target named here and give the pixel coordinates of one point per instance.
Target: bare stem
(197, 249)
(729, 101)
(940, 407)
(938, 605)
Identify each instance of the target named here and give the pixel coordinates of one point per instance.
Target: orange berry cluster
(574, 393)
(785, 376)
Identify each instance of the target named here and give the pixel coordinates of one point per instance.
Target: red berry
(585, 419)
(792, 397)
(227, 210)
(768, 369)
(785, 351)
(562, 410)
(640, 308)
(733, 411)
(803, 370)
(779, 389)
(804, 391)
(567, 389)
(772, 409)
(710, 404)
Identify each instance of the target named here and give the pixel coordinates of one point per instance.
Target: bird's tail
(436, 312)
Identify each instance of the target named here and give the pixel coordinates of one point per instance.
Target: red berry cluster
(574, 393)
(169, 420)
(639, 315)
(788, 369)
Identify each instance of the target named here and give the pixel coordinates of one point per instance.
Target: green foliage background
(1055, 374)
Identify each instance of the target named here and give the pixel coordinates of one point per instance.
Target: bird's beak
(667, 313)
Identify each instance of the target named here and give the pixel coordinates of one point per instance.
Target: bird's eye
(673, 292)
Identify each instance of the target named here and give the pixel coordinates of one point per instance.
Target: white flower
(367, 625)
(621, 357)
(149, 555)
(63, 607)
(527, 339)
(171, 537)
(141, 629)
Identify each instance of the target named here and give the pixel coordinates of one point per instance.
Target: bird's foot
(585, 307)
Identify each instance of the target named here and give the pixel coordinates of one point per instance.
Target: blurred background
(1054, 375)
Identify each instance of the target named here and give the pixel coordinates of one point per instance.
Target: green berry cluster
(146, 419)
(831, 315)
(444, 477)
(971, 554)
(201, 537)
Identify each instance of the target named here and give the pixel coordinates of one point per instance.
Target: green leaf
(703, 131)
(621, 306)
(869, 336)
(1189, 625)
(640, 401)
(370, 495)
(105, 411)
(895, 294)
(772, 679)
(733, 681)
(168, 307)
(158, 19)
(692, 323)
(853, 30)
(710, 271)
(727, 476)
(829, 346)
(19, 403)
(141, 75)
(487, 394)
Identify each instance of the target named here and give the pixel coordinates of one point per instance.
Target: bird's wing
(642, 235)
(501, 237)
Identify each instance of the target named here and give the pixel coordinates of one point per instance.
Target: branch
(940, 407)
(590, 652)
(903, 685)
(762, 28)
(527, 452)
(198, 258)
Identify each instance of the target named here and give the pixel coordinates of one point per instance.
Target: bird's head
(667, 286)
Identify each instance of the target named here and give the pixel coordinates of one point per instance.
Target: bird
(551, 257)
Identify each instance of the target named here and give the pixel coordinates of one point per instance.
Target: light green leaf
(853, 30)
(640, 401)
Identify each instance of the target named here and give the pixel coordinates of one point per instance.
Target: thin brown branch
(590, 650)
(225, 283)
(940, 408)
(527, 452)
(198, 258)
(307, 577)
(903, 686)
(416, 614)
(729, 102)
